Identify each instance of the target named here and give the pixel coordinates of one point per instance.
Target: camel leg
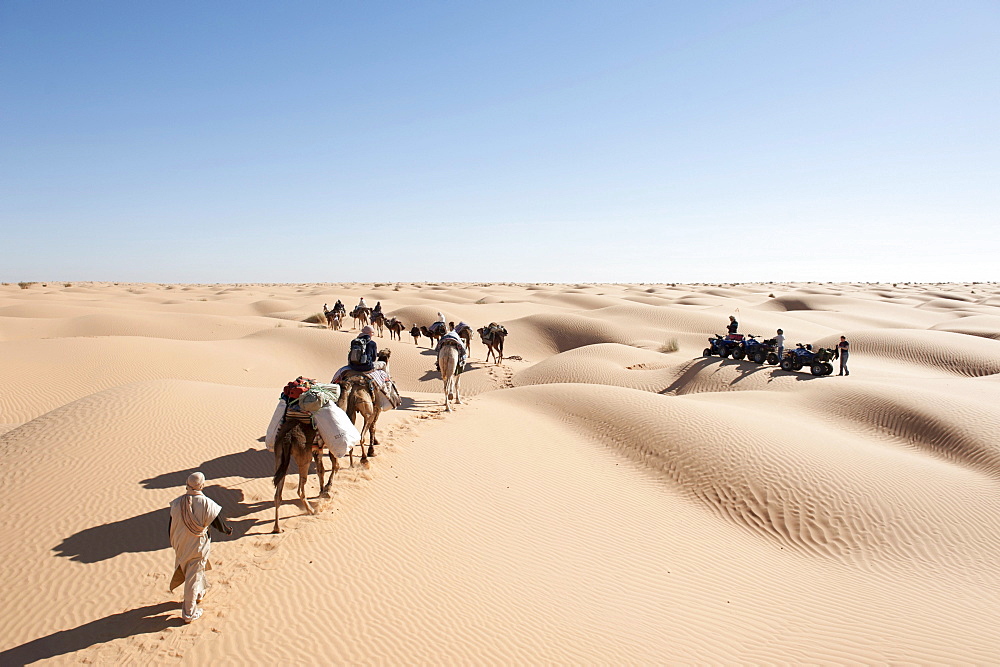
(333, 471)
(458, 396)
(320, 470)
(303, 463)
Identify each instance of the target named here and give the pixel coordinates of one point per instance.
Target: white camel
(448, 363)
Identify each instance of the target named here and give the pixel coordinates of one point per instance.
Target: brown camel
(433, 336)
(466, 335)
(378, 321)
(359, 395)
(360, 315)
(298, 439)
(493, 337)
(395, 328)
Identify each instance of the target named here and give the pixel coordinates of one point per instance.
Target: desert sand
(604, 496)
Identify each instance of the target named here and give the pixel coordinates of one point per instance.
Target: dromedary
(493, 337)
(298, 439)
(433, 336)
(360, 315)
(378, 321)
(465, 333)
(448, 363)
(395, 328)
(358, 394)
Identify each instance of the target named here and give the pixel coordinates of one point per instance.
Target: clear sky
(517, 141)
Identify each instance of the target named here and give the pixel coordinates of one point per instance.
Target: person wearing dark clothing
(843, 351)
(339, 306)
(370, 351)
(733, 324)
(415, 332)
(378, 307)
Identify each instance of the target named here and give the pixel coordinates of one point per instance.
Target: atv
(725, 346)
(761, 351)
(803, 355)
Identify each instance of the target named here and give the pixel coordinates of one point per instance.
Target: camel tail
(285, 445)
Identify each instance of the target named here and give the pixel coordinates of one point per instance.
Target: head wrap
(368, 331)
(195, 482)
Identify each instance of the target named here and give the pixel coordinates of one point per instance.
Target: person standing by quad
(843, 351)
(363, 352)
(733, 325)
(779, 342)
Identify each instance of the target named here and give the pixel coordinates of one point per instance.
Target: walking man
(843, 351)
(191, 515)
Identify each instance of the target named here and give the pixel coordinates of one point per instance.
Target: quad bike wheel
(758, 357)
(738, 353)
(827, 368)
(817, 369)
(796, 365)
(723, 352)
(707, 352)
(787, 365)
(772, 358)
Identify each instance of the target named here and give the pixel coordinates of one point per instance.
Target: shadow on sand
(251, 464)
(141, 621)
(148, 532)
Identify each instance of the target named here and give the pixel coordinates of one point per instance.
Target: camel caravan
(314, 418)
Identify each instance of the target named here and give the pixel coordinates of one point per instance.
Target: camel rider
(452, 338)
(363, 352)
(378, 307)
(361, 304)
(339, 306)
(440, 326)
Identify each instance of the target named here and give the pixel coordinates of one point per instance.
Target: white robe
(191, 544)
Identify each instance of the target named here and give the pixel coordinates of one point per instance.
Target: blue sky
(517, 141)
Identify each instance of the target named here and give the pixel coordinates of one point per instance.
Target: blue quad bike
(803, 355)
(724, 347)
(759, 351)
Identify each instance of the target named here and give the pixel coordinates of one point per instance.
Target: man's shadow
(142, 621)
(148, 532)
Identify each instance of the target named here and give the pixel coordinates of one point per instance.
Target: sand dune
(605, 495)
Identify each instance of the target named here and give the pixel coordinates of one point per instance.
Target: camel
(299, 440)
(360, 315)
(466, 335)
(359, 395)
(493, 337)
(333, 318)
(378, 321)
(448, 364)
(395, 328)
(433, 336)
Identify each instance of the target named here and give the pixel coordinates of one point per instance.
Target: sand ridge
(605, 495)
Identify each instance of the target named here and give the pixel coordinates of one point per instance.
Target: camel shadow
(408, 403)
(141, 621)
(148, 532)
(251, 463)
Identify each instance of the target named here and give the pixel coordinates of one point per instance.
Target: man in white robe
(191, 515)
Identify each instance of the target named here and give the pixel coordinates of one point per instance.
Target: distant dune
(606, 495)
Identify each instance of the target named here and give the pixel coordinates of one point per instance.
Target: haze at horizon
(566, 142)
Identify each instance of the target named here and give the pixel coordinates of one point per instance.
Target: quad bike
(725, 346)
(804, 355)
(759, 351)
